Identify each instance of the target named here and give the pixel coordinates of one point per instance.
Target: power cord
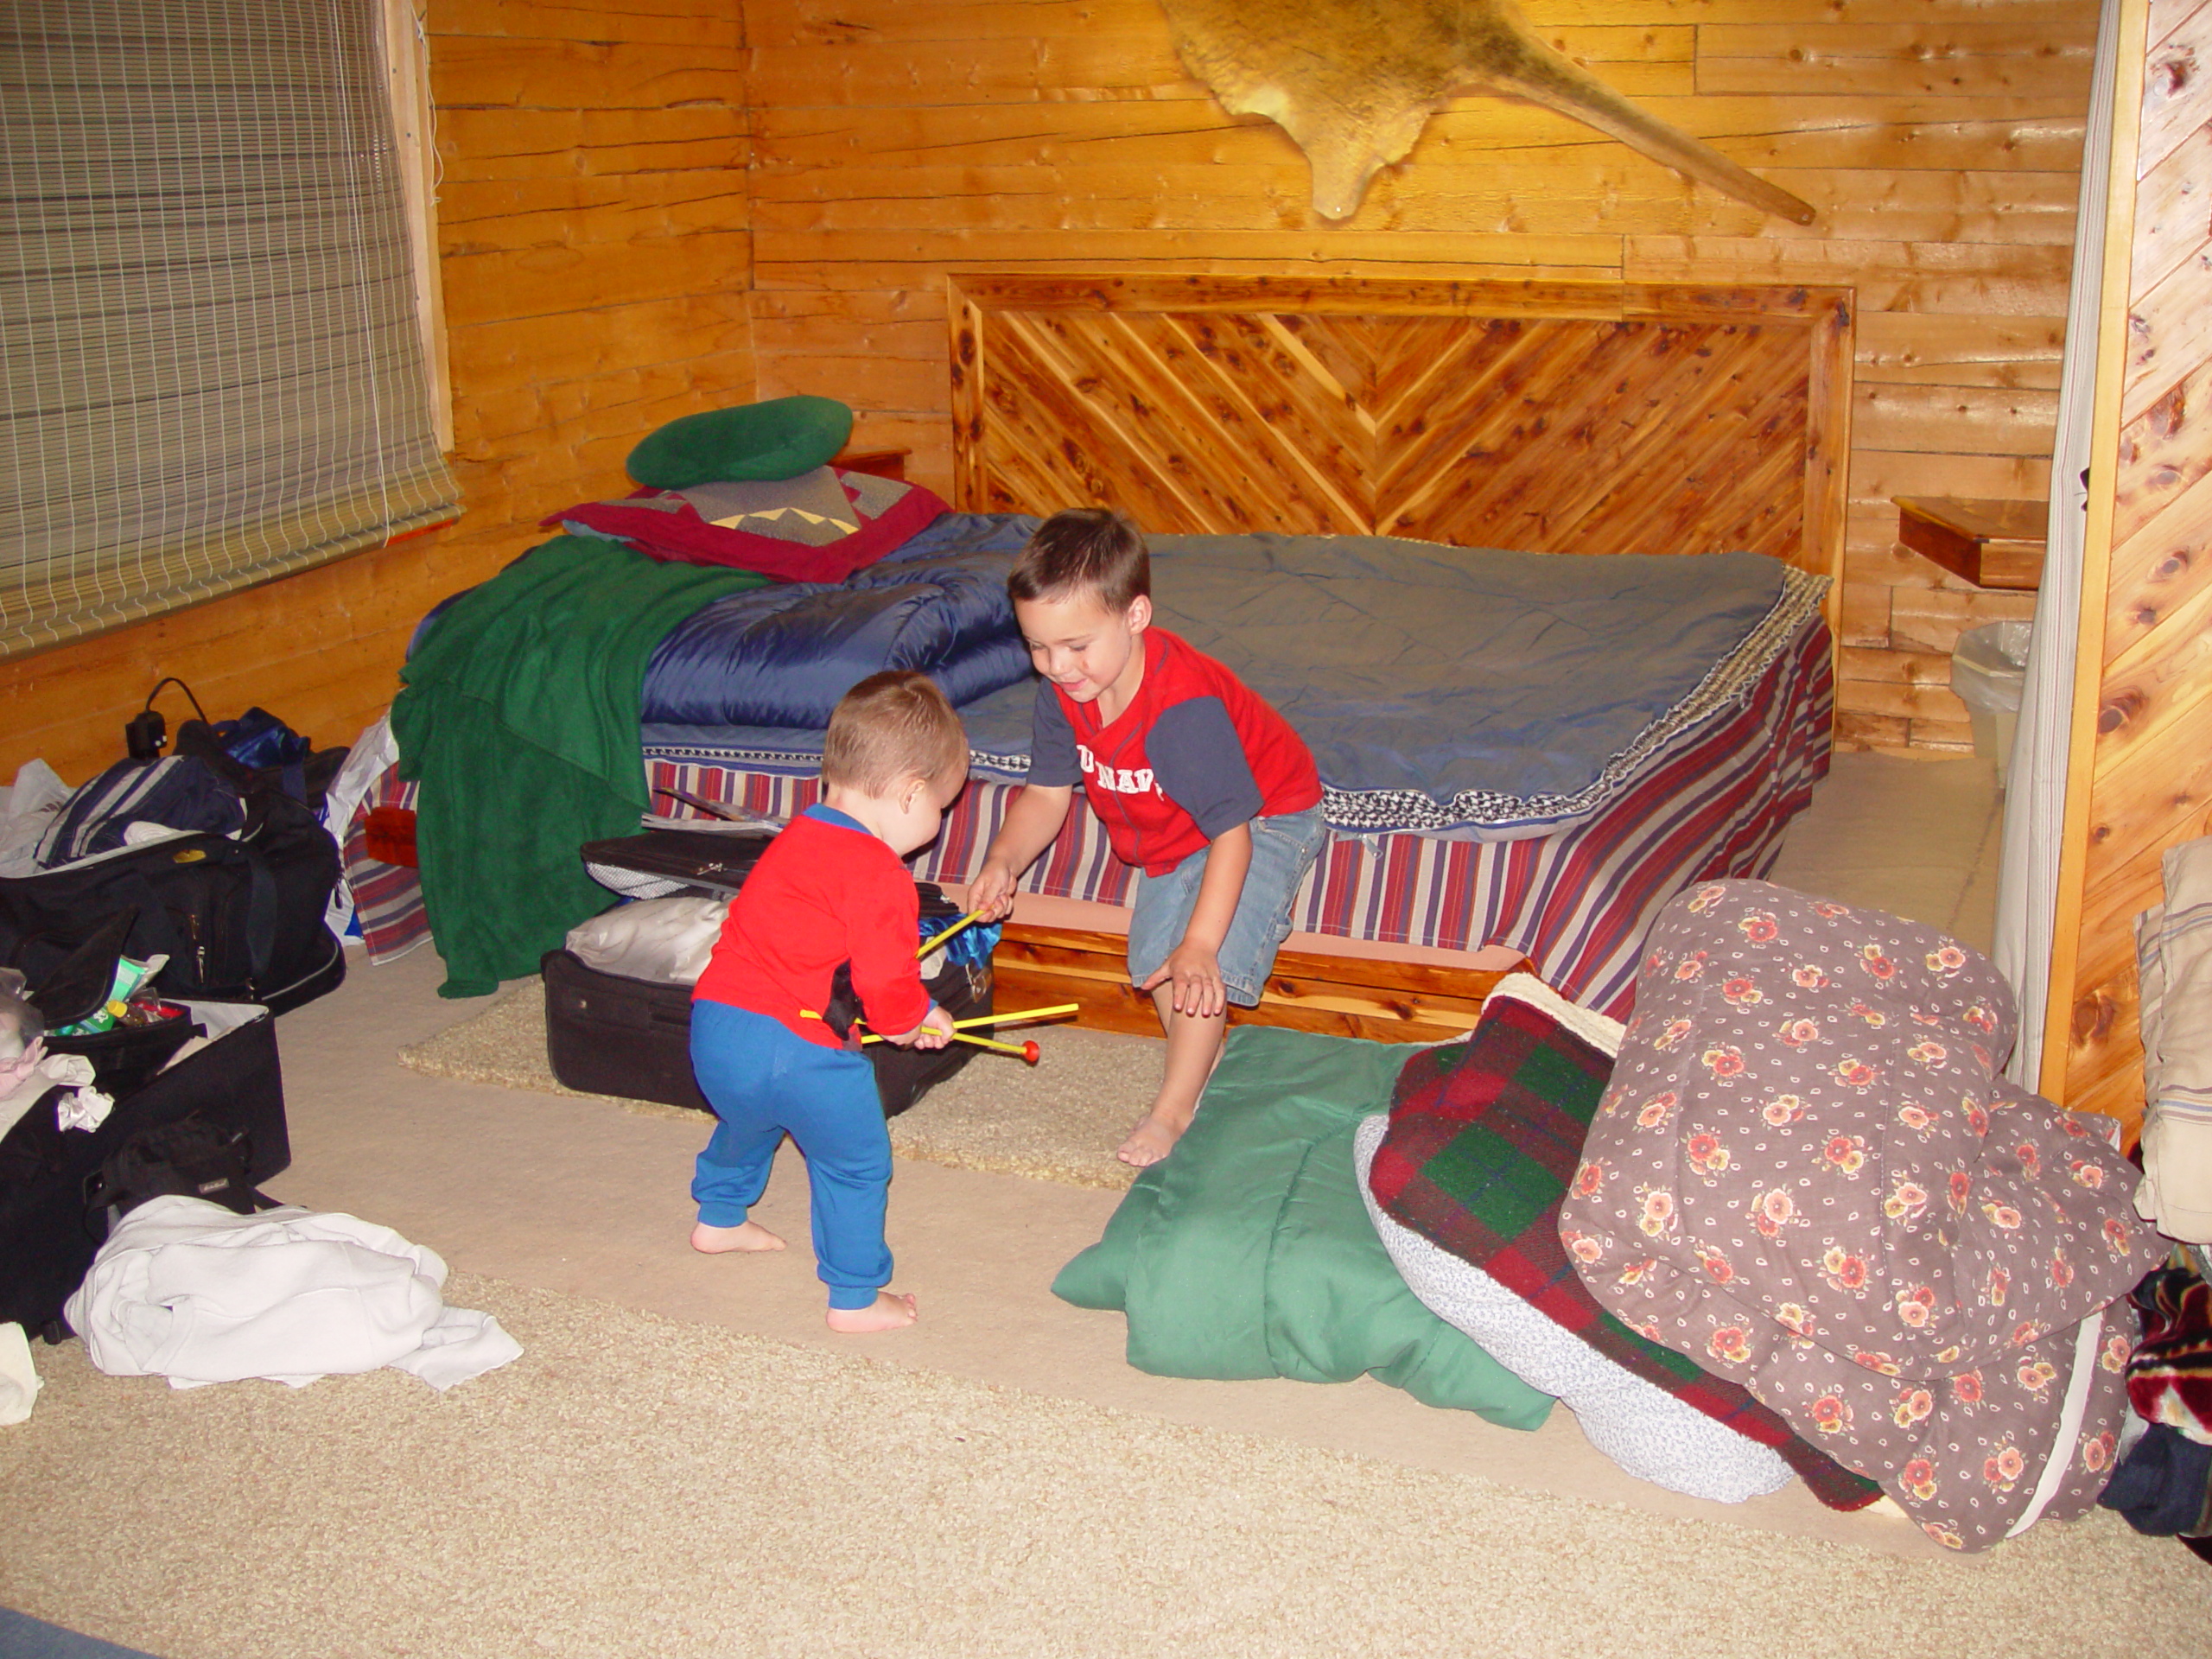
(145, 732)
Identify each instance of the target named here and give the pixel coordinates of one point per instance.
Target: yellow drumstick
(1027, 1013)
(1029, 1051)
(931, 944)
(1024, 1051)
(987, 1019)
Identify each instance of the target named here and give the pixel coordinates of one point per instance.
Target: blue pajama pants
(764, 1082)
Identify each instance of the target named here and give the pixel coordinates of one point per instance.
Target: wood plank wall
(604, 269)
(2142, 777)
(594, 259)
(1941, 140)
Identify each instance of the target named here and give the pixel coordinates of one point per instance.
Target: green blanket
(519, 717)
(1249, 1253)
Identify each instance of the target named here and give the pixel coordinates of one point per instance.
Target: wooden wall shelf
(884, 463)
(1990, 544)
(1343, 996)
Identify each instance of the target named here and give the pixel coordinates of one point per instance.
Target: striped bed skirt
(1713, 801)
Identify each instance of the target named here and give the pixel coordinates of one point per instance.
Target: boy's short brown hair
(891, 726)
(1090, 551)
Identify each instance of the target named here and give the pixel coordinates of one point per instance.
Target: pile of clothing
(1790, 1220)
(2164, 1484)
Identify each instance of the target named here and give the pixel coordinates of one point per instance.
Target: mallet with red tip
(1029, 1051)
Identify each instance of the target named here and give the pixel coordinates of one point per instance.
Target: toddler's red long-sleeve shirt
(826, 892)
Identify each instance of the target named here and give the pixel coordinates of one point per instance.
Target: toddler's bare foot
(886, 1312)
(746, 1236)
(1153, 1139)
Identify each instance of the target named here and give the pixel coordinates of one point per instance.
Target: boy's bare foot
(746, 1236)
(1153, 1139)
(886, 1312)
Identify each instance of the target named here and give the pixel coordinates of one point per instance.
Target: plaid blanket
(1484, 1136)
(2170, 1374)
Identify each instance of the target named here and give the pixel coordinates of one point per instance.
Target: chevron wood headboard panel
(1567, 418)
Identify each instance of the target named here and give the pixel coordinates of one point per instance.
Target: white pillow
(1639, 1424)
(653, 938)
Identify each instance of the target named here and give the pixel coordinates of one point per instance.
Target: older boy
(1198, 783)
(830, 889)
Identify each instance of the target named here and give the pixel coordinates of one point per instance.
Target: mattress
(1709, 794)
(1461, 691)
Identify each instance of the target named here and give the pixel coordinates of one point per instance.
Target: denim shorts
(1283, 850)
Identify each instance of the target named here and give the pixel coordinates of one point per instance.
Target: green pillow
(778, 439)
(1250, 1252)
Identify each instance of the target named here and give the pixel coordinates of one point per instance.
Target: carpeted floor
(640, 1485)
(1057, 1121)
(686, 1461)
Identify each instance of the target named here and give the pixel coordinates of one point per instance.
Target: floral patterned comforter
(1808, 1175)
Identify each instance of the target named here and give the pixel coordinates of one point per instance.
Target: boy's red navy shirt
(1196, 753)
(825, 892)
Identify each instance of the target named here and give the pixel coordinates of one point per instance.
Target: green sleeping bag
(1249, 1253)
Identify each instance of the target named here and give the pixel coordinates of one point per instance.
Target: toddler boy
(830, 889)
(1200, 785)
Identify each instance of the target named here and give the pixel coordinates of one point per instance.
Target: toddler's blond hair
(892, 727)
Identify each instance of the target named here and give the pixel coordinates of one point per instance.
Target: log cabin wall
(594, 257)
(895, 142)
(598, 244)
(2141, 774)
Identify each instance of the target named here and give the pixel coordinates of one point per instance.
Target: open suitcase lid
(712, 861)
(78, 989)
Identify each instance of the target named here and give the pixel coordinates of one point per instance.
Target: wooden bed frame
(1546, 416)
(1042, 966)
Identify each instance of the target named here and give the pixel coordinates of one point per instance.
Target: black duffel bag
(240, 920)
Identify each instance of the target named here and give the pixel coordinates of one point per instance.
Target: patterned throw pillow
(811, 508)
(821, 526)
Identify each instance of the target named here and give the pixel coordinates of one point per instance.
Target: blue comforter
(782, 656)
(1439, 687)
(1444, 671)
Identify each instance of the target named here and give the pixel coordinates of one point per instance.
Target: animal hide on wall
(1354, 82)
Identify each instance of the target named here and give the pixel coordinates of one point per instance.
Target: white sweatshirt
(186, 1289)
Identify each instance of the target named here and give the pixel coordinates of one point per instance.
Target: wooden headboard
(1570, 417)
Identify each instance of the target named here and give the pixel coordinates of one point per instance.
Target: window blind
(214, 375)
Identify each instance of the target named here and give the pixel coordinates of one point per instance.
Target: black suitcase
(240, 921)
(46, 1238)
(661, 863)
(631, 1038)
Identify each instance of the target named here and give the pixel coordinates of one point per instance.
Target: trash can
(1989, 667)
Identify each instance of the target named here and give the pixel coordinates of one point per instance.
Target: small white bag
(653, 938)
